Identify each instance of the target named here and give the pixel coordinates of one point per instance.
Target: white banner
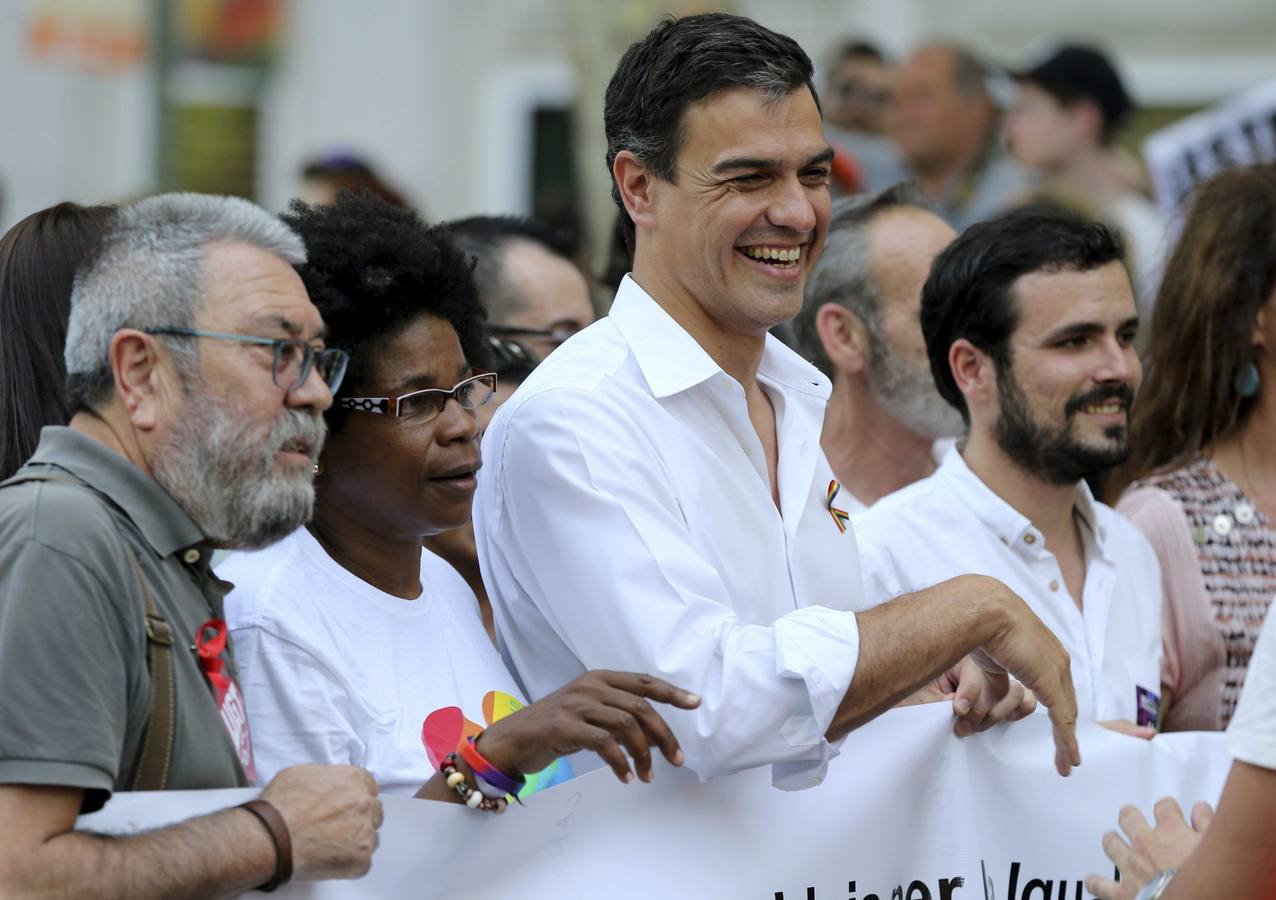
(1238, 131)
(908, 812)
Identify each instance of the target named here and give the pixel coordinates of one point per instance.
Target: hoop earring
(1247, 381)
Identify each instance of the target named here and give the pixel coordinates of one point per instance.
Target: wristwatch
(1156, 886)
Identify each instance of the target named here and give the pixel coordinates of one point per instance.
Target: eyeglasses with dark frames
(425, 405)
(293, 358)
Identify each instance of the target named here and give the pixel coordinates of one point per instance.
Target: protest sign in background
(1239, 131)
(908, 812)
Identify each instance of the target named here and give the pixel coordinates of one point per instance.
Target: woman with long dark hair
(1203, 466)
(38, 260)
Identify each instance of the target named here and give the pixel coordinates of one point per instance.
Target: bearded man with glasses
(197, 379)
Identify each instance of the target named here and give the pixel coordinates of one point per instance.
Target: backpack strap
(157, 741)
(156, 753)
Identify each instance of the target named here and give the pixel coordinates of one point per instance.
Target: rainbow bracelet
(491, 781)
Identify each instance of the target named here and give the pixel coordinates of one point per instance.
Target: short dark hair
(969, 293)
(350, 173)
(859, 49)
(680, 62)
(485, 238)
(39, 258)
(373, 269)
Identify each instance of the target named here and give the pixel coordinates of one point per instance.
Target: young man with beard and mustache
(886, 425)
(654, 496)
(196, 378)
(1029, 322)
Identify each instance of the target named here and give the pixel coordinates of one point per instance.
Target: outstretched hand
(606, 712)
(1150, 850)
(1025, 648)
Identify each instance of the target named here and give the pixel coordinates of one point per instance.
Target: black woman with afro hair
(355, 644)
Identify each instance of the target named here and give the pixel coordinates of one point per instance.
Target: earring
(318, 468)
(1247, 381)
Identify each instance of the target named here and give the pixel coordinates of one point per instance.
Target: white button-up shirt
(952, 524)
(624, 520)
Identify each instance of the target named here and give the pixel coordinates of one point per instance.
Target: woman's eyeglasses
(425, 405)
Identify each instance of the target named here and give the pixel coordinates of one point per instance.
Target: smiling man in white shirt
(1029, 323)
(655, 495)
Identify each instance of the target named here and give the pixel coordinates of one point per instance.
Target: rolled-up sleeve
(581, 521)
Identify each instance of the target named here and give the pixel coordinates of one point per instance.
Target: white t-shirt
(1251, 735)
(335, 671)
(952, 524)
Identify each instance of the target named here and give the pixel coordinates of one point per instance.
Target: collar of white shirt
(1002, 519)
(671, 361)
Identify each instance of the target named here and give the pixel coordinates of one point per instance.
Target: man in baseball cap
(1076, 74)
(1070, 107)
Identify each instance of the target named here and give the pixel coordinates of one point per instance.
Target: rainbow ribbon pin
(840, 516)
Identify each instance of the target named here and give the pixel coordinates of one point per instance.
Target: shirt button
(748, 451)
(1030, 539)
(1244, 513)
(1054, 585)
(1223, 524)
(191, 556)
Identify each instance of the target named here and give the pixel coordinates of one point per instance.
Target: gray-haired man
(197, 378)
(859, 324)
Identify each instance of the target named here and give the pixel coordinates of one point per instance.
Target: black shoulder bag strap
(157, 741)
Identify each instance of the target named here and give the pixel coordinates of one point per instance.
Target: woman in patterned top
(1203, 465)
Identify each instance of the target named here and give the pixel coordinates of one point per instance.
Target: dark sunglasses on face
(557, 333)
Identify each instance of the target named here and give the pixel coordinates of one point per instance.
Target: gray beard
(224, 474)
(909, 395)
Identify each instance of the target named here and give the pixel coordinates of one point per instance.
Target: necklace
(1245, 509)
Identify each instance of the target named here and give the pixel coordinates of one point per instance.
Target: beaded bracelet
(473, 797)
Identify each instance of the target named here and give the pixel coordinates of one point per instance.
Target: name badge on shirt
(1149, 706)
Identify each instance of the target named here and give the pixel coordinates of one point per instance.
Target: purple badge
(1149, 705)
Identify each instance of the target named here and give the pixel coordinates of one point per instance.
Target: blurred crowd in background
(491, 108)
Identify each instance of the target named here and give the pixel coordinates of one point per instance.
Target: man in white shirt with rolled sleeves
(655, 495)
(1029, 322)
